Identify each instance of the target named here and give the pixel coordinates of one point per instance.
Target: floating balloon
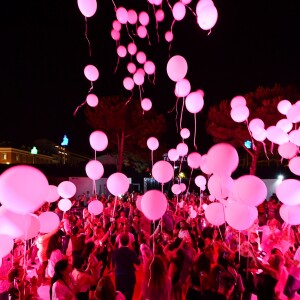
(159, 15)
(144, 18)
(182, 187)
(152, 143)
(149, 67)
(288, 191)
(176, 189)
(200, 180)
(220, 186)
(294, 137)
(142, 31)
(141, 57)
(178, 11)
(131, 67)
(194, 160)
(173, 155)
(238, 101)
(182, 149)
(128, 83)
(260, 134)
(215, 214)
(283, 106)
(87, 7)
(184, 133)
(240, 114)
(122, 15)
(194, 102)
(294, 165)
(117, 184)
(116, 25)
(52, 194)
(92, 100)
(94, 169)
(91, 72)
(277, 135)
(146, 104)
(31, 227)
(154, 204)
(201, 4)
(169, 36)
(177, 68)
(6, 245)
(64, 204)
(162, 171)
(132, 16)
(204, 166)
(98, 140)
(290, 214)
(121, 51)
(207, 17)
(66, 189)
(95, 207)
(256, 125)
(287, 150)
(115, 34)
(138, 78)
(23, 189)
(49, 221)
(285, 124)
(182, 88)
(293, 113)
(132, 48)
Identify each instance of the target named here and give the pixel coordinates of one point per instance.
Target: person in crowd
(5, 266)
(106, 290)
(77, 242)
(66, 227)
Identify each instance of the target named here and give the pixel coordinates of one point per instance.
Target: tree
(127, 127)
(262, 104)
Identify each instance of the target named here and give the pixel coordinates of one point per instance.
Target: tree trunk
(121, 140)
(254, 158)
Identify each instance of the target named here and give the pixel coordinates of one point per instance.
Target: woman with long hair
(106, 290)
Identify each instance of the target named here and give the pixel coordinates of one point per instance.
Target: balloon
(91, 72)
(92, 100)
(182, 149)
(178, 11)
(149, 67)
(222, 158)
(287, 150)
(194, 102)
(176, 189)
(215, 214)
(95, 207)
(256, 124)
(212, 198)
(23, 189)
(194, 160)
(201, 4)
(141, 57)
(290, 214)
(260, 134)
(277, 135)
(288, 191)
(115, 34)
(94, 169)
(162, 171)
(294, 165)
(237, 101)
(169, 36)
(240, 114)
(131, 67)
(138, 78)
(146, 104)
(182, 88)
(152, 143)
(173, 154)
(87, 7)
(52, 194)
(132, 48)
(283, 106)
(220, 186)
(142, 31)
(207, 17)
(140, 71)
(98, 140)
(122, 15)
(154, 204)
(235, 215)
(204, 166)
(66, 189)
(182, 187)
(117, 184)
(49, 221)
(64, 204)
(294, 137)
(132, 16)
(144, 18)
(285, 124)
(200, 180)
(293, 113)
(116, 25)
(31, 227)
(177, 68)
(186, 1)
(128, 83)
(159, 15)
(6, 245)
(121, 51)
(184, 133)
(193, 214)
(250, 190)
(138, 202)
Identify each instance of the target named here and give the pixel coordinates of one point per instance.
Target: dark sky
(44, 51)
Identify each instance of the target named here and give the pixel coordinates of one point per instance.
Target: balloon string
(181, 114)
(191, 11)
(114, 4)
(272, 148)
(79, 106)
(265, 150)
(152, 157)
(94, 188)
(91, 88)
(116, 68)
(149, 41)
(86, 36)
(189, 183)
(95, 157)
(113, 214)
(129, 98)
(156, 24)
(169, 5)
(140, 93)
(209, 32)
(129, 33)
(195, 130)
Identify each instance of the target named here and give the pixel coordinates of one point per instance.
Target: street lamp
(34, 152)
(65, 143)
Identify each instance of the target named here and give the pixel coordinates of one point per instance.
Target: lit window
(4, 156)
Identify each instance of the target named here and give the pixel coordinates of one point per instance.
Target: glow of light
(280, 178)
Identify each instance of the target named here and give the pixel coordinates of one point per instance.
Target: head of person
(105, 289)
(226, 283)
(124, 239)
(54, 244)
(276, 261)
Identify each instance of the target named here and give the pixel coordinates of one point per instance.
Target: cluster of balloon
(239, 110)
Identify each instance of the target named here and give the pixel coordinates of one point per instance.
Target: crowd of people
(180, 256)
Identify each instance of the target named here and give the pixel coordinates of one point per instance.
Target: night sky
(44, 51)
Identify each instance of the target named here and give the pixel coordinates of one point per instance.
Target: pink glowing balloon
(285, 124)
(91, 72)
(260, 134)
(144, 18)
(117, 184)
(95, 207)
(132, 48)
(287, 150)
(294, 165)
(182, 187)
(222, 158)
(154, 204)
(128, 83)
(131, 67)
(64, 204)
(194, 102)
(87, 7)
(23, 189)
(288, 191)
(294, 137)
(182, 149)
(52, 194)
(49, 221)
(152, 143)
(115, 34)
(220, 186)
(201, 4)
(193, 214)
(122, 15)
(157, 2)
(293, 113)
(256, 125)
(176, 189)
(132, 17)
(283, 106)
(207, 18)
(116, 25)
(146, 104)
(185, 133)
(182, 88)
(277, 135)
(194, 160)
(31, 227)
(240, 114)
(169, 36)
(159, 15)
(177, 68)
(290, 214)
(149, 67)
(141, 57)
(186, 1)
(138, 78)
(250, 190)
(204, 166)
(162, 171)
(121, 51)
(200, 180)
(66, 189)
(173, 155)
(6, 245)
(92, 100)
(94, 169)
(215, 214)
(238, 101)
(178, 11)
(140, 71)
(142, 31)
(138, 202)
(98, 140)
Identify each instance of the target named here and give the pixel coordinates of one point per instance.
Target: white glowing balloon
(91, 72)
(66, 189)
(283, 106)
(177, 68)
(185, 133)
